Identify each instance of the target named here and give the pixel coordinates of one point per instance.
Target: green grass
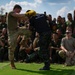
(33, 69)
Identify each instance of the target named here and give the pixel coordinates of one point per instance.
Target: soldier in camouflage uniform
(40, 25)
(14, 31)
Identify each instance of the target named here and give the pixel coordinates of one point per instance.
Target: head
(58, 31)
(55, 36)
(59, 18)
(4, 31)
(69, 16)
(69, 28)
(63, 20)
(45, 13)
(68, 33)
(54, 20)
(17, 8)
(49, 17)
(30, 13)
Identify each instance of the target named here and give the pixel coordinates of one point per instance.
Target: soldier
(39, 23)
(14, 30)
(68, 48)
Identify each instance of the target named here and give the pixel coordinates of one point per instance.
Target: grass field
(33, 69)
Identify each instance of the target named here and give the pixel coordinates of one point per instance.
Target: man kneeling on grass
(68, 49)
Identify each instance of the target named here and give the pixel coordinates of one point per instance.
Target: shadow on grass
(52, 71)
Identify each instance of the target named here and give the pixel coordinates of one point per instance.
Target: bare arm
(63, 48)
(35, 42)
(20, 16)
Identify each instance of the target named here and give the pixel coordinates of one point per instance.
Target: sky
(53, 7)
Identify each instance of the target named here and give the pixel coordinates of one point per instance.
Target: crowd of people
(57, 35)
(3, 39)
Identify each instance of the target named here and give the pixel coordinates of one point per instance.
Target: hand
(71, 55)
(23, 37)
(68, 53)
(50, 58)
(35, 49)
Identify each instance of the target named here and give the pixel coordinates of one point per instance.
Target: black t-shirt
(3, 25)
(39, 23)
(55, 44)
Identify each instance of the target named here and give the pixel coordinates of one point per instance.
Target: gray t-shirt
(68, 44)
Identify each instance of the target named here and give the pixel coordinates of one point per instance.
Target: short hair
(69, 14)
(17, 6)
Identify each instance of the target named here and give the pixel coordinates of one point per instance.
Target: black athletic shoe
(45, 68)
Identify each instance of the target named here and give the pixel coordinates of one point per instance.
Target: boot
(46, 67)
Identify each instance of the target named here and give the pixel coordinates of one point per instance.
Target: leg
(12, 42)
(44, 41)
(11, 58)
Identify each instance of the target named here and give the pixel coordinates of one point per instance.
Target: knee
(62, 54)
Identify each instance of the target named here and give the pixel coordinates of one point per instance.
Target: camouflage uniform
(13, 32)
(68, 59)
(13, 40)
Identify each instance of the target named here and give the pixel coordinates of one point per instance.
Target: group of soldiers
(37, 23)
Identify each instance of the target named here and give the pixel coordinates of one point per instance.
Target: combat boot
(46, 67)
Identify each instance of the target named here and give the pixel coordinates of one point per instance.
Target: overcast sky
(53, 7)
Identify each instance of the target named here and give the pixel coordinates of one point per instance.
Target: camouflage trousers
(44, 41)
(12, 39)
(69, 60)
